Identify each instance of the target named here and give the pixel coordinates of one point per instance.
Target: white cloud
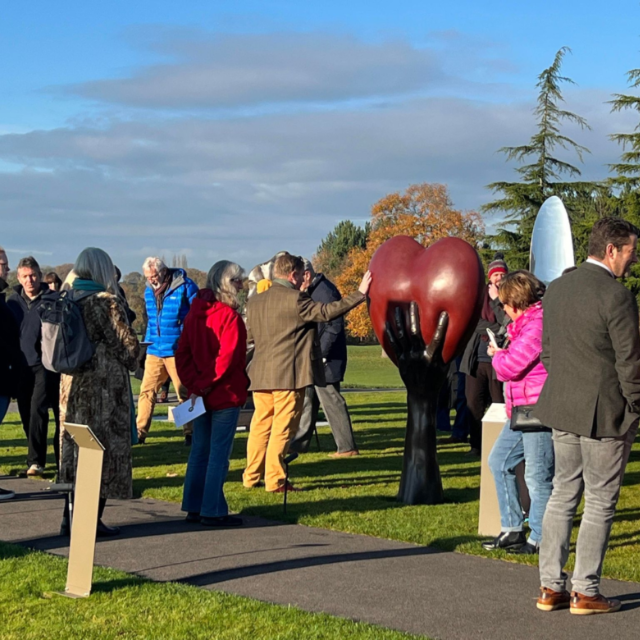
(245, 187)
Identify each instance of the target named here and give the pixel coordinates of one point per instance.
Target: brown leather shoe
(582, 605)
(289, 486)
(551, 600)
(344, 454)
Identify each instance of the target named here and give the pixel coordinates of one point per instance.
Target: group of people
(196, 338)
(570, 364)
(568, 357)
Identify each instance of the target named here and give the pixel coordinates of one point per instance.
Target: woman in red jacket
(210, 360)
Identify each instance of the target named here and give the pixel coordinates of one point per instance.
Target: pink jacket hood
(519, 365)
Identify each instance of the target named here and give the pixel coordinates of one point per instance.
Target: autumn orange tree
(424, 212)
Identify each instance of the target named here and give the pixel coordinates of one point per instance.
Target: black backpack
(65, 342)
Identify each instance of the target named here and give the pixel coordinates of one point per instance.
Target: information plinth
(489, 519)
(85, 510)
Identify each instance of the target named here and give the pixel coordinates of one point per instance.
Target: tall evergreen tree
(627, 178)
(333, 250)
(541, 169)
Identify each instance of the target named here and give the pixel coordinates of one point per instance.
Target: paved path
(448, 596)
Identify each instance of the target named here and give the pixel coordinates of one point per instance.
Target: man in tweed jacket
(282, 325)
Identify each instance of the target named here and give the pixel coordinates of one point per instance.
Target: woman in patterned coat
(98, 394)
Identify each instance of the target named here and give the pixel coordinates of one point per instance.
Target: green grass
(357, 494)
(123, 606)
(366, 369)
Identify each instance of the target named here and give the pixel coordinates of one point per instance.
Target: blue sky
(237, 129)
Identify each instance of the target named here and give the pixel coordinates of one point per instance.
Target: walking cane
(290, 458)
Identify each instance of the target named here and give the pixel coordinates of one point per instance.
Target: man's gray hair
(95, 264)
(308, 266)
(155, 262)
(219, 281)
(29, 263)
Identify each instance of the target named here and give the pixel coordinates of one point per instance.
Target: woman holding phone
(520, 367)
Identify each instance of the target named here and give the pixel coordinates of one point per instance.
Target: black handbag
(522, 419)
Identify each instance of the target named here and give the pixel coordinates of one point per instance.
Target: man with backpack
(38, 388)
(168, 298)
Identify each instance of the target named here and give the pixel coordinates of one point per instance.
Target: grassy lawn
(357, 494)
(366, 369)
(123, 606)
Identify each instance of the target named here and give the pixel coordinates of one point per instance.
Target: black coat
(332, 337)
(591, 350)
(469, 363)
(10, 355)
(27, 317)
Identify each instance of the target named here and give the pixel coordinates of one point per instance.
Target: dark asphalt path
(448, 596)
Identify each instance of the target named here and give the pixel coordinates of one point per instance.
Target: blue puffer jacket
(165, 323)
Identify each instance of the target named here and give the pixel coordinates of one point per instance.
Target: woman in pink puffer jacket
(519, 366)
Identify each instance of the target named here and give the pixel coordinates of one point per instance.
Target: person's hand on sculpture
(365, 284)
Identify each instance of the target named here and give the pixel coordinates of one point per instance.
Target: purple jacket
(519, 364)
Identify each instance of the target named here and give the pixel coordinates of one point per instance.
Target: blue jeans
(4, 405)
(509, 450)
(208, 464)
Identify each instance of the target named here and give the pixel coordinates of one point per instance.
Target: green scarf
(80, 284)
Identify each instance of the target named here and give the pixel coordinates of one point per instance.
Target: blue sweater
(166, 320)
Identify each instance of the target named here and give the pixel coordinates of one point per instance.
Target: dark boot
(102, 530)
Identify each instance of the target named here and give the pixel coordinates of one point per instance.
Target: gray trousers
(335, 409)
(594, 467)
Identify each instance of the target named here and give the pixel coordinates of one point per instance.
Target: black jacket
(591, 350)
(469, 362)
(10, 355)
(28, 319)
(333, 341)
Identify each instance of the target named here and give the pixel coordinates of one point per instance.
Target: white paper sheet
(184, 412)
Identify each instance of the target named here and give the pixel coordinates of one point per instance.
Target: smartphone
(492, 339)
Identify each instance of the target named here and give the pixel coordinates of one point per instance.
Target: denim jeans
(509, 450)
(208, 464)
(4, 405)
(594, 467)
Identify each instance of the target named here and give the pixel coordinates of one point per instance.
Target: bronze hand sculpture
(423, 373)
(424, 306)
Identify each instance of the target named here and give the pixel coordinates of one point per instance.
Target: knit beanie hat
(498, 265)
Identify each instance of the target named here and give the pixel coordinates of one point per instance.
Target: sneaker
(35, 470)
(192, 516)
(586, 605)
(551, 600)
(5, 494)
(344, 454)
(506, 540)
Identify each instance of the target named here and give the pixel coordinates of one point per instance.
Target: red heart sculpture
(447, 276)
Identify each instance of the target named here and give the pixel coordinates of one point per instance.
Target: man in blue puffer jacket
(168, 298)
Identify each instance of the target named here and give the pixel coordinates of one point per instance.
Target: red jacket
(211, 355)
